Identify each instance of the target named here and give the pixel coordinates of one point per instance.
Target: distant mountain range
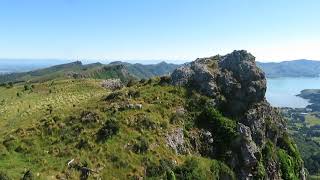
(121, 70)
(295, 68)
(24, 65)
(15, 71)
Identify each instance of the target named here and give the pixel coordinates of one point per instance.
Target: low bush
(222, 128)
(4, 176)
(133, 93)
(142, 81)
(269, 152)
(89, 117)
(117, 161)
(132, 82)
(290, 167)
(198, 169)
(144, 122)
(109, 129)
(28, 175)
(287, 166)
(165, 80)
(141, 145)
(113, 96)
(164, 168)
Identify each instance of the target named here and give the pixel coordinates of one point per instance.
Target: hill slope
(123, 71)
(296, 68)
(147, 71)
(208, 120)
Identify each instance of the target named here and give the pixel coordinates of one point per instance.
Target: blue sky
(183, 30)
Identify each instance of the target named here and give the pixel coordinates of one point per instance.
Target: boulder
(112, 84)
(175, 140)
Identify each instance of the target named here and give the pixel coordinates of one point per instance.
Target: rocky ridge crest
(237, 88)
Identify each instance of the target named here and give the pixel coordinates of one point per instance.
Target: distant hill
(76, 69)
(147, 71)
(295, 68)
(24, 65)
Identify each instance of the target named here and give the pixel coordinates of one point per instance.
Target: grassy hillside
(146, 71)
(54, 122)
(76, 70)
(21, 112)
(76, 129)
(73, 70)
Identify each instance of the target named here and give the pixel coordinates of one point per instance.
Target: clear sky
(272, 30)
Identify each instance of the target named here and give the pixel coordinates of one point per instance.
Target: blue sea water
(281, 92)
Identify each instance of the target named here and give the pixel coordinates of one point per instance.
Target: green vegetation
(287, 166)
(289, 158)
(224, 129)
(198, 169)
(311, 120)
(61, 120)
(305, 131)
(77, 70)
(75, 128)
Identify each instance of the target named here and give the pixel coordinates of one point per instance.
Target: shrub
(141, 146)
(154, 170)
(10, 142)
(9, 85)
(109, 129)
(150, 81)
(133, 93)
(113, 96)
(131, 82)
(287, 144)
(89, 118)
(287, 165)
(261, 171)
(28, 175)
(144, 122)
(4, 176)
(165, 80)
(199, 168)
(27, 87)
(142, 81)
(269, 152)
(164, 168)
(222, 128)
(190, 170)
(118, 162)
(83, 144)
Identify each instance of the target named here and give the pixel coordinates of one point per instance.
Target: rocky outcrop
(175, 140)
(112, 84)
(237, 88)
(234, 80)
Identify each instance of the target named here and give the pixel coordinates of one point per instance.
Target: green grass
(311, 120)
(37, 142)
(25, 111)
(63, 96)
(43, 142)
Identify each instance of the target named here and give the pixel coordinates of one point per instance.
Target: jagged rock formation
(237, 88)
(234, 77)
